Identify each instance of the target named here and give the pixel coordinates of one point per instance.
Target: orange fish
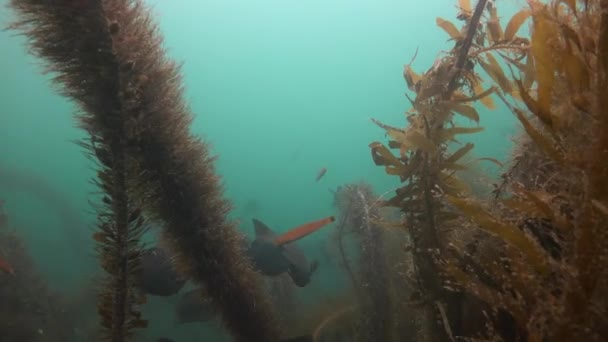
(301, 231)
(321, 174)
(6, 267)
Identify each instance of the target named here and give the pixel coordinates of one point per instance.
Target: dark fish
(158, 277)
(194, 307)
(271, 259)
(320, 174)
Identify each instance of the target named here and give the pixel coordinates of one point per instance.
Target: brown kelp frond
(120, 227)
(108, 56)
(78, 41)
(421, 160)
(551, 272)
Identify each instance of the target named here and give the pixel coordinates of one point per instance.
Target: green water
(279, 88)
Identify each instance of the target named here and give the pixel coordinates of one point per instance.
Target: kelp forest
(438, 258)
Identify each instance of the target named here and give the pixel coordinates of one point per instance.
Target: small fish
(321, 174)
(274, 254)
(6, 267)
(158, 276)
(194, 307)
(164, 339)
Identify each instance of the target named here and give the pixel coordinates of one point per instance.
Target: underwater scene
(290, 171)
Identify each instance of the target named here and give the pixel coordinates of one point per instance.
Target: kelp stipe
(372, 284)
(424, 167)
(109, 59)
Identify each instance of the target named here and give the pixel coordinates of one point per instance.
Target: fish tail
(302, 231)
(6, 267)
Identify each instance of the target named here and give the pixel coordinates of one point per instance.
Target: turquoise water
(280, 89)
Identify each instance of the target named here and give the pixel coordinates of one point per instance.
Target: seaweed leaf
(411, 77)
(495, 72)
(515, 23)
(508, 233)
(452, 185)
(412, 139)
(494, 29)
(466, 111)
(465, 5)
(543, 142)
(449, 133)
(485, 99)
(383, 157)
(543, 35)
(478, 96)
(450, 28)
(459, 153)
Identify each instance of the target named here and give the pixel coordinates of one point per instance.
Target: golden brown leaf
(544, 116)
(508, 233)
(461, 152)
(543, 36)
(411, 77)
(450, 133)
(450, 28)
(495, 72)
(412, 139)
(575, 70)
(529, 76)
(494, 29)
(515, 23)
(485, 100)
(466, 111)
(383, 157)
(543, 142)
(465, 5)
(451, 185)
(478, 96)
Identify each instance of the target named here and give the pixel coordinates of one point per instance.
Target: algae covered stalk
(360, 215)
(108, 57)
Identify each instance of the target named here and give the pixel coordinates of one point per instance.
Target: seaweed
(361, 218)
(30, 310)
(432, 196)
(107, 56)
(539, 261)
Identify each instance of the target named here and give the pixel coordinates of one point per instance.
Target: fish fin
(301, 231)
(261, 229)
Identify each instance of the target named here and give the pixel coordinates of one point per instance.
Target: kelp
(427, 171)
(555, 228)
(546, 82)
(108, 57)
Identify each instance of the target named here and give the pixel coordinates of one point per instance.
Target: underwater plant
(423, 165)
(107, 56)
(550, 209)
(536, 254)
(360, 216)
(30, 311)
